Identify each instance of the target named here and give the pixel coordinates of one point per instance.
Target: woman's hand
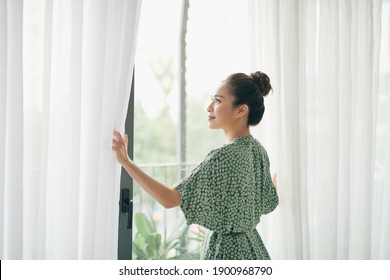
(166, 196)
(119, 146)
(275, 181)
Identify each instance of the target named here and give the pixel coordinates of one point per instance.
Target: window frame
(125, 226)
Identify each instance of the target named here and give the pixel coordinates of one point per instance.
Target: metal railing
(167, 221)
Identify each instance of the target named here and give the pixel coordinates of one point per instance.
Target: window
(210, 55)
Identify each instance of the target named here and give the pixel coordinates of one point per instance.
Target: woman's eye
(215, 99)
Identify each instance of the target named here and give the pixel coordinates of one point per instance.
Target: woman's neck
(233, 134)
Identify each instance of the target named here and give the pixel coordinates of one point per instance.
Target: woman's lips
(211, 118)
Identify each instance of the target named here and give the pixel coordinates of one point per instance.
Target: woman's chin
(211, 126)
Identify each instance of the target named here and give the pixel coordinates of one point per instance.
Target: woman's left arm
(166, 196)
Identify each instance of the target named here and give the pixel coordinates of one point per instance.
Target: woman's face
(221, 110)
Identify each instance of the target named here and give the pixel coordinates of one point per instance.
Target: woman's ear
(243, 111)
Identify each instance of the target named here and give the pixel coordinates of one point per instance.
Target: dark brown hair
(250, 90)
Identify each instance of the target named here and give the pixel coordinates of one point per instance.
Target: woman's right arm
(166, 196)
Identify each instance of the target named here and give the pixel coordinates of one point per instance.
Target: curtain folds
(330, 65)
(58, 174)
(11, 125)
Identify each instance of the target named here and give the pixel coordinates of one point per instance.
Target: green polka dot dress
(227, 193)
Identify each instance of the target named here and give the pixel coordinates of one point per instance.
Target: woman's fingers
(114, 144)
(118, 137)
(117, 142)
(275, 180)
(119, 146)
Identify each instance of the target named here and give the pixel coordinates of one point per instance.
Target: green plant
(148, 243)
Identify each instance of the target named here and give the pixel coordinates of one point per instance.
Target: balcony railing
(167, 221)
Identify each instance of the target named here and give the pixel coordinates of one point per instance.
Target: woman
(229, 191)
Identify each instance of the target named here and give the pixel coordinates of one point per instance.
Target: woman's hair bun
(262, 81)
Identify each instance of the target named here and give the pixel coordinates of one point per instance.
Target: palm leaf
(143, 224)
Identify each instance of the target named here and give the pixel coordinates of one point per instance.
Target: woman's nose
(209, 107)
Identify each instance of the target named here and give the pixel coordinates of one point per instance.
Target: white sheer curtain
(327, 125)
(66, 69)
